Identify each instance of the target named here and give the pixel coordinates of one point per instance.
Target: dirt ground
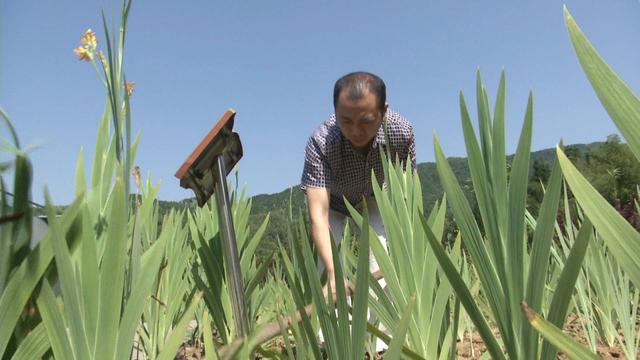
(467, 350)
(475, 348)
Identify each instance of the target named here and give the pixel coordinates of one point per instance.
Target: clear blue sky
(275, 62)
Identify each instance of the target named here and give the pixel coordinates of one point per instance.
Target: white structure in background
(39, 227)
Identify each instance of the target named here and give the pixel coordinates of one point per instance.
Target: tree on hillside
(613, 170)
(541, 170)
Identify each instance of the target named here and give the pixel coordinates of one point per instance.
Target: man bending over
(340, 155)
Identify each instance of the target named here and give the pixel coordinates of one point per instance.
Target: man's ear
(386, 107)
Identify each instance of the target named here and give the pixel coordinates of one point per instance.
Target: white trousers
(337, 223)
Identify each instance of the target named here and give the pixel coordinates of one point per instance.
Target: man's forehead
(351, 96)
(367, 103)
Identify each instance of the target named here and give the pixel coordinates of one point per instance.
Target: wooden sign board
(197, 172)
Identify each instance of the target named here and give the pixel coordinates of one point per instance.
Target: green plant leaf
(464, 294)
(622, 240)
(570, 347)
(617, 98)
(499, 161)
(21, 228)
(484, 194)
(81, 182)
(69, 286)
(28, 275)
(54, 323)
(400, 332)
(324, 310)
(34, 346)
(360, 300)
(12, 131)
(471, 236)
(112, 274)
(174, 340)
(100, 149)
(562, 295)
(296, 288)
(141, 291)
(539, 256)
(247, 254)
(209, 349)
(514, 243)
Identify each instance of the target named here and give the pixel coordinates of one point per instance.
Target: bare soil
(470, 348)
(475, 348)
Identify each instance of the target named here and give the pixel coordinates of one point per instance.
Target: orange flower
(88, 39)
(136, 176)
(83, 53)
(88, 45)
(128, 86)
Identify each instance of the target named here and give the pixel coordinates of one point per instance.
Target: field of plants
(112, 280)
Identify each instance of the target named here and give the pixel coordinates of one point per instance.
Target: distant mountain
(277, 204)
(431, 187)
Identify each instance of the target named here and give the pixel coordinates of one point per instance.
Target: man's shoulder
(328, 133)
(400, 129)
(396, 121)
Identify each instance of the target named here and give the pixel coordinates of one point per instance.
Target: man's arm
(316, 181)
(318, 204)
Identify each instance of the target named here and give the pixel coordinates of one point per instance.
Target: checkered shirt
(331, 162)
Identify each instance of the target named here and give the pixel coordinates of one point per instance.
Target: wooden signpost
(205, 172)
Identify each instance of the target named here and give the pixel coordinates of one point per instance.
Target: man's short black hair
(357, 84)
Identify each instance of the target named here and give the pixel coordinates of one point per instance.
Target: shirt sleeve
(412, 150)
(316, 172)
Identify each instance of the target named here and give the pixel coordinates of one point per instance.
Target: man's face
(359, 120)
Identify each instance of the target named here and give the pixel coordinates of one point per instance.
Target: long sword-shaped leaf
(324, 310)
(34, 346)
(112, 275)
(383, 259)
(88, 276)
(300, 305)
(247, 254)
(464, 294)
(68, 285)
(9, 123)
(617, 98)
(562, 296)
(28, 274)
(17, 233)
(485, 126)
(140, 293)
(178, 333)
(622, 240)
(409, 353)
(499, 158)
(484, 194)
(341, 320)
(54, 323)
(207, 334)
(517, 203)
(359, 325)
(81, 181)
(100, 149)
(471, 236)
(541, 248)
(399, 333)
(570, 347)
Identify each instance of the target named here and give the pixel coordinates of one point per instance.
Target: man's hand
(318, 203)
(331, 281)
